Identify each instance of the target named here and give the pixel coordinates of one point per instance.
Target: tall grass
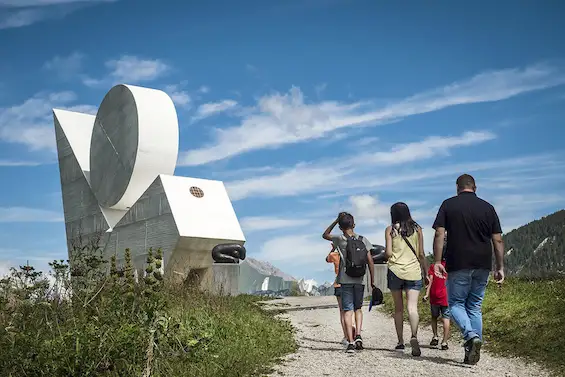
(87, 322)
(524, 318)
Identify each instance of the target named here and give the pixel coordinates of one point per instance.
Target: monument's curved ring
(134, 139)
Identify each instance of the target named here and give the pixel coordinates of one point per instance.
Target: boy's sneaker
(415, 347)
(473, 351)
(358, 342)
(350, 348)
(435, 341)
(399, 347)
(444, 347)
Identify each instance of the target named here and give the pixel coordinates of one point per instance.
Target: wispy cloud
(261, 223)
(24, 214)
(281, 119)
(212, 108)
(16, 163)
(65, 67)
(31, 122)
(332, 175)
(295, 250)
(20, 13)
(180, 97)
(129, 69)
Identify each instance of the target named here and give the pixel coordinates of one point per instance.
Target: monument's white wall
(118, 188)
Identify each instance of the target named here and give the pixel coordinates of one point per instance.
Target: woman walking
(405, 254)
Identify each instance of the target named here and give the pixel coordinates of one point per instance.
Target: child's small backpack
(355, 257)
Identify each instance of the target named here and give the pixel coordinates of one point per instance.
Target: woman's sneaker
(344, 342)
(435, 341)
(415, 347)
(399, 347)
(358, 342)
(350, 348)
(444, 347)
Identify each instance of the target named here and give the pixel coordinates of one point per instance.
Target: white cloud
(209, 109)
(24, 214)
(16, 163)
(31, 122)
(180, 97)
(427, 148)
(295, 250)
(4, 268)
(300, 179)
(65, 66)
(367, 207)
(258, 223)
(129, 69)
(204, 89)
(333, 175)
(281, 119)
(20, 13)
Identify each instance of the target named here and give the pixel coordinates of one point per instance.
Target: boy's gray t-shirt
(340, 242)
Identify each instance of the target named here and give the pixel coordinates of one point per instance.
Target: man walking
(474, 231)
(355, 256)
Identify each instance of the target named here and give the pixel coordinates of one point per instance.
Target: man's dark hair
(466, 182)
(346, 221)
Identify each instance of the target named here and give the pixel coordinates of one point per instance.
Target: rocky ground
(321, 354)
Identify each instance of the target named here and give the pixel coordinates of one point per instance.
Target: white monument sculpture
(119, 189)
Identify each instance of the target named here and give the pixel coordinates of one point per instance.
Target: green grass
(523, 318)
(243, 339)
(111, 325)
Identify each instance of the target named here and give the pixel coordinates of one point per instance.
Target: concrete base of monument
(225, 280)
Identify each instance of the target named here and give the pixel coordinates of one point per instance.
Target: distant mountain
(537, 249)
(266, 268)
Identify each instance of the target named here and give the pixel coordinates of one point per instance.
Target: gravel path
(320, 354)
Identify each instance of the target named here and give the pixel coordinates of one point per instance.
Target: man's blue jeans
(465, 291)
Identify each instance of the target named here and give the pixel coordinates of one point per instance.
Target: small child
(436, 292)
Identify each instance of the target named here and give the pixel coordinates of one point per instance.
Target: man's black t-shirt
(470, 223)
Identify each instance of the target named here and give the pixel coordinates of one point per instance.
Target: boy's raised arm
(327, 233)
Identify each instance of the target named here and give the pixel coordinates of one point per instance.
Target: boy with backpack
(355, 256)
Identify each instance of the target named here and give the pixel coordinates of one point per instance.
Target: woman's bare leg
(398, 314)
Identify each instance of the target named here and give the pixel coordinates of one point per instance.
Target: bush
(82, 321)
(524, 318)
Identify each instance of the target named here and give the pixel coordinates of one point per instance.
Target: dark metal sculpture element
(228, 253)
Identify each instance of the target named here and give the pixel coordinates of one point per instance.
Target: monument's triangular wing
(74, 132)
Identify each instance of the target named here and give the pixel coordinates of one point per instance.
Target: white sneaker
(344, 342)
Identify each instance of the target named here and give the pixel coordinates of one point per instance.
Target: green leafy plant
(94, 318)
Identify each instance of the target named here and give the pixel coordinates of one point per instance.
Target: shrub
(84, 321)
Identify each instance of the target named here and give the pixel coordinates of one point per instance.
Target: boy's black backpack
(355, 257)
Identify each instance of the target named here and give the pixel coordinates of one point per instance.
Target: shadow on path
(389, 353)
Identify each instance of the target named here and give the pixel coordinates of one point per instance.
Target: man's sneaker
(473, 351)
(358, 342)
(444, 347)
(344, 342)
(434, 342)
(350, 348)
(399, 347)
(415, 347)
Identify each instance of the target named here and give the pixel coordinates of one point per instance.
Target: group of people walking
(467, 232)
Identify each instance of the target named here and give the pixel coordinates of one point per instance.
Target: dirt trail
(320, 354)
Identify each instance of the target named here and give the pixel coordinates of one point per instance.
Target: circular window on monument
(196, 191)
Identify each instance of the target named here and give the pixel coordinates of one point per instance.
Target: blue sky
(302, 108)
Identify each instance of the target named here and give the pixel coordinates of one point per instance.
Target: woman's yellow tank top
(403, 263)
